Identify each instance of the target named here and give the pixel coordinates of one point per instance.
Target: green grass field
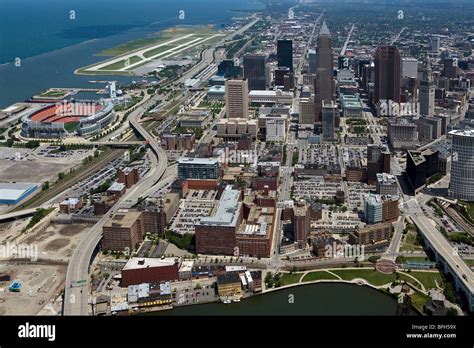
(289, 278)
(427, 278)
(318, 275)
(53, 94)
(121, 64)
(469, 262)
(373, 277)
(157, 38)
(71, 127)
(419, 300)
(158, 50)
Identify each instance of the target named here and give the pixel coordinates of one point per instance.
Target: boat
(237, 300)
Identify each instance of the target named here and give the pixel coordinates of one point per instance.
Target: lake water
(51, 45)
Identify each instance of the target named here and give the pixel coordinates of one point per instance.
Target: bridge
(17, 214)
(446, 256)
(117, 144)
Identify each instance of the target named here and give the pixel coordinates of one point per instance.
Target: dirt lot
(40, 283)
(32, 167)
(56, 242)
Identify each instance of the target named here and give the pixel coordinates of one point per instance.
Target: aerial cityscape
(290, 157)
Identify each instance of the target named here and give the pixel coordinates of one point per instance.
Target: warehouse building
(14, 193)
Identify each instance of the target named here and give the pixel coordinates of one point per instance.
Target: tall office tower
(307, 111)
(228, 69)
(324, 84)
(435, 44)
(387, 73)
(302, 223)
(427, 91)
(329, 120)
(462, 165)
(378, 161)
(285, 53)
(280, 74)
(312, 61)
(450, 68)
(255, 71)
(237, 98)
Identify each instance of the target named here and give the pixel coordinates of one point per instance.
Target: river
(311, 299)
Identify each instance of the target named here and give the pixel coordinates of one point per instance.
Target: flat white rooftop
(13, 191)
(144, 262)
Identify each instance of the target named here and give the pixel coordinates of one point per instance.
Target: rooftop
(228, 278)
(386, 179)
(142, 262)
(116, 186)
(13, 191)
(123, 218)
(227, 212)
(467, 132)
(198, 160)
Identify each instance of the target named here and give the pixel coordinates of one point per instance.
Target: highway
(77, 277)
(441, 245)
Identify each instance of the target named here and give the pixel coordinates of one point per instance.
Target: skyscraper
(427, 91)
(312, 61)
(435, 45)
(285, 53)
(462, 165)
(387, 74)
(324, 84)
(237, 98)
(329, 120)
(254, 71)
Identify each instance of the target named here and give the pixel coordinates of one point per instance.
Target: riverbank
(324, 298)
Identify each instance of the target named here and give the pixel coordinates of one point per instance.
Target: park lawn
(410, 280)
(419, 300)
(289, 278)
(373, 277)
(427, 278)
(318, 275)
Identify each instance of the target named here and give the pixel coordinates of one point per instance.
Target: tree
(45, 186)
(61, 175)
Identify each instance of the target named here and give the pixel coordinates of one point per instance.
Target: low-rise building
(150, 270)
(70, 205)
(229, 284)
(371, 234)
